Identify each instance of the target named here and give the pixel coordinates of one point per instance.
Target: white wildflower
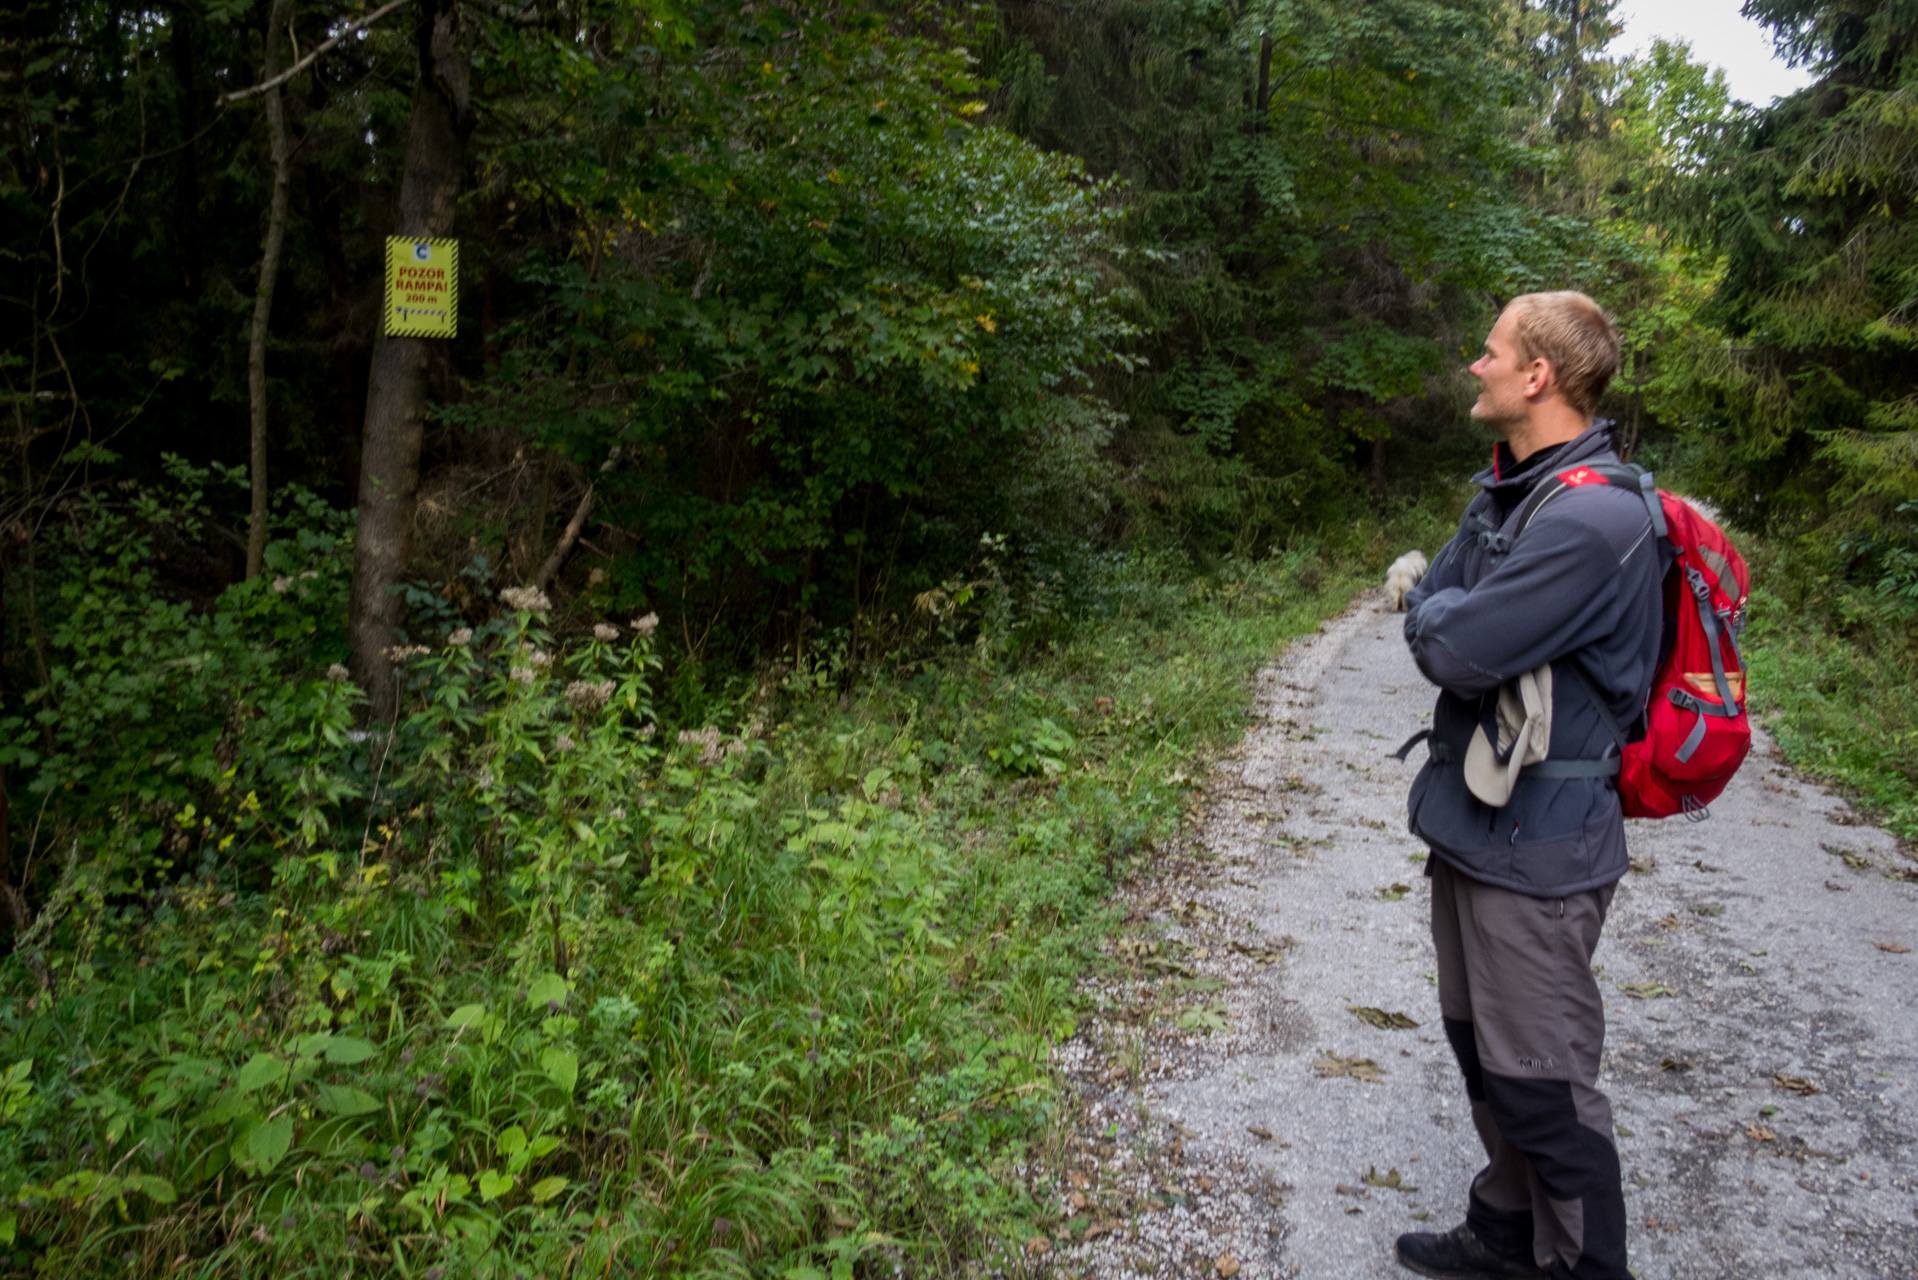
(707, 740)
(605, 632)
(526, 599)
(281, 583)
(541, 659)
(403, 652)
(564, 742)
(523, 675)
(485, 777)
(337, 673)
(617, 815)
(646, 625)
(460, 638)
(585, 695)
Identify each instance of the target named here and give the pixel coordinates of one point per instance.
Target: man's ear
(1540, 379)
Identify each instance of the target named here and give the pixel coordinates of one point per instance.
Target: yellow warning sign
(422, 287)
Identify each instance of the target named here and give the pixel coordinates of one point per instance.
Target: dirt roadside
(1255, 1105)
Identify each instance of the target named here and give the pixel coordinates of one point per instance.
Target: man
(1520, 888)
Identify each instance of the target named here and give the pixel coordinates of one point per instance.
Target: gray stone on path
(1748, 960)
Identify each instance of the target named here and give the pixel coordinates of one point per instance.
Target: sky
(1719, 34)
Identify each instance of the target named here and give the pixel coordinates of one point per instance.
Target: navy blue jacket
(1581, 584)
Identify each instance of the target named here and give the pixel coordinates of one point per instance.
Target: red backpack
(1696, 732)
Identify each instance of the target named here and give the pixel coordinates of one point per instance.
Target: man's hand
(1402, 577)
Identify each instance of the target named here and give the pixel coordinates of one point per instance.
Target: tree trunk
(397, 384)
(186, 183)
(1262, 102)
(279, 17)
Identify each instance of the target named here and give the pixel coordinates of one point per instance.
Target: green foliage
(1808, 395)
(1835, 672)
(838, 332)
(1322, 197)
(536, 978)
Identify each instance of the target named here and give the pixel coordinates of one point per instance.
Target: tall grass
(1834, 670)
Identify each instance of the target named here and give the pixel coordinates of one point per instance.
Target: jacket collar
(1595, 441)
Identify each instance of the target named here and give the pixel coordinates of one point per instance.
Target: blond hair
(1573, 334)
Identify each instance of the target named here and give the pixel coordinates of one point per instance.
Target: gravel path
(1761, 1057)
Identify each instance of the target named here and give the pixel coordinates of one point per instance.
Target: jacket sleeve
(1561, 588)
(1447, 570)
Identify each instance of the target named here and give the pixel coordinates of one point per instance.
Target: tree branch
(266, 86)
(574, 527)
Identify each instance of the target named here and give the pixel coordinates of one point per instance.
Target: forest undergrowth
(542, 986)
(1834, 672)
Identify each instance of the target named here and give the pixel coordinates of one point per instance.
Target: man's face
(1503, 378)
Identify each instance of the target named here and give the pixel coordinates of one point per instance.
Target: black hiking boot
(1460, 1255)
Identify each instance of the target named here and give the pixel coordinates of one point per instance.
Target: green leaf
(546, 1188)
(10, 1225)
(345, 1051)
(548, 988)
(511, 1141)
(466, 1015)
(561, 1067)
(156, 1189)
(494, 1184)
(260, 1070)
(270, 1141)
(343, 1100)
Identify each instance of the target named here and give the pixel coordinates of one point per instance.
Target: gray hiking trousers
(1525, 1018)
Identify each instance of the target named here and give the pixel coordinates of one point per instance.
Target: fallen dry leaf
(1038, 1246)
(1394, 892)
(1227, 1266)
(1331, 1064)
(1850, 857)
(1675, 1064)
(1760, 1133)
(1892, 947)
(1390, 1180)
(1259, 1131)
(1796, 1084)
(1835, 887)
(1344, 1190)
(1646, 990)
(1381, 1019)
(1262, 953)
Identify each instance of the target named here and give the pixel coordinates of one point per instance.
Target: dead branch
(574, 527)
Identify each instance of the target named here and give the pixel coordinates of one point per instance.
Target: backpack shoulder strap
(1623, 475)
